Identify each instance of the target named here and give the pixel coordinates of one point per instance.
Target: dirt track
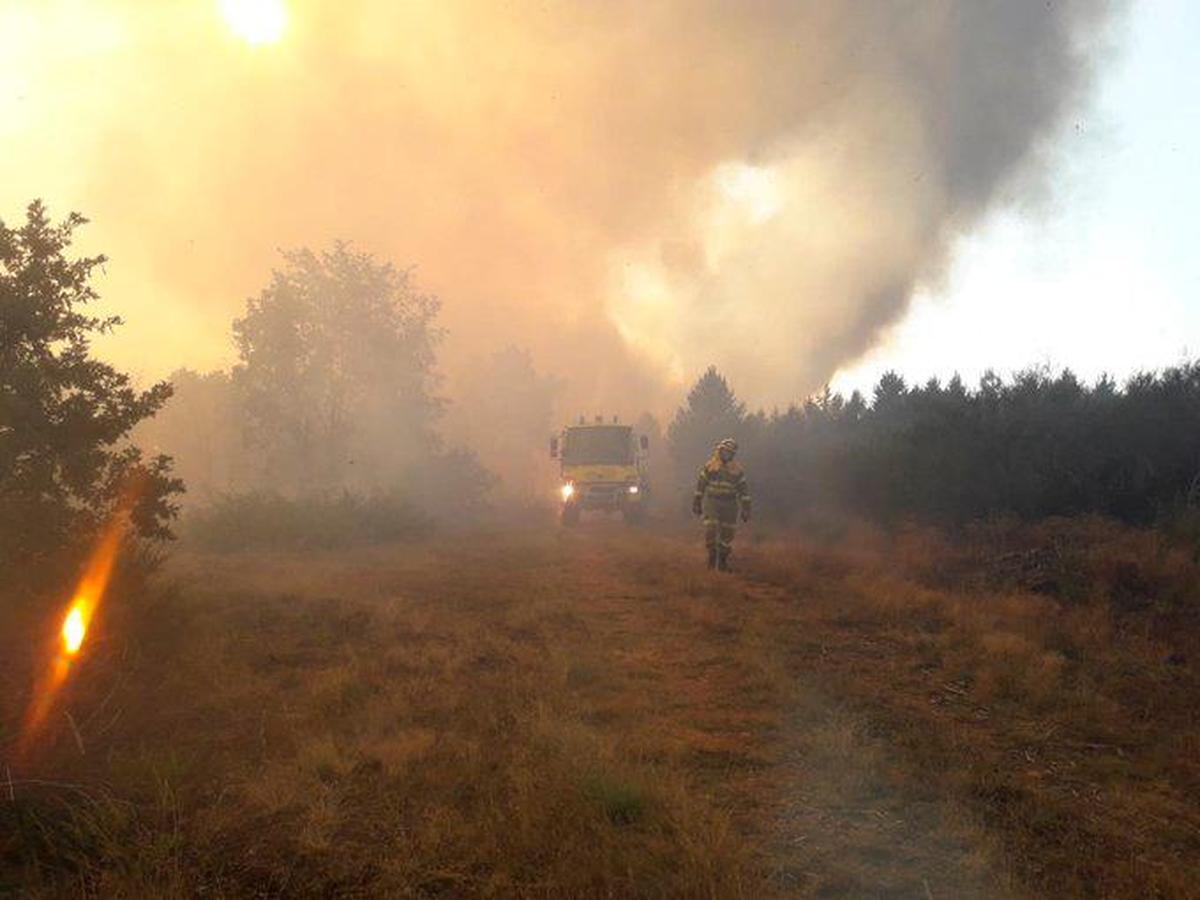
(709, 659)
(589, 712)
(689, 673)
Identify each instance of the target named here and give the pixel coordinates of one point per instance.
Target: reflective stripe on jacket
(722, 480)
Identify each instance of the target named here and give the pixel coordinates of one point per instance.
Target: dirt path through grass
(534, 713)
(804, 779)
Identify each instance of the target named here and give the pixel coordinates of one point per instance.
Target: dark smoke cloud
(630, 189)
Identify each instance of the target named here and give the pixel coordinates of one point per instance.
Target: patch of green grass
(623, 802)
(580, 675)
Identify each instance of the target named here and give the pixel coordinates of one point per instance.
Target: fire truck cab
(602, 467)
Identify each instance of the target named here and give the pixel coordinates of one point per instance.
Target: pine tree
(710, 413)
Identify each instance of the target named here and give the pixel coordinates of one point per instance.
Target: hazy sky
(1105, 276)
(633, 190)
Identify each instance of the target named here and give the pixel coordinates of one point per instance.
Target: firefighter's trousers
(720, 525)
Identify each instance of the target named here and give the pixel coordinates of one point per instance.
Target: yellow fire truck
(603, 467)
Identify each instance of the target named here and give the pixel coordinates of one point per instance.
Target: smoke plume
(632, 190)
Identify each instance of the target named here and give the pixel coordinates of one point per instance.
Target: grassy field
(587, 713)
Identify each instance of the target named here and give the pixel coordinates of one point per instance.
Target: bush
(272, 521)
(66, 466)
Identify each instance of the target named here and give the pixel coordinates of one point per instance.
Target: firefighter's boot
(723, 560)
(712, 557)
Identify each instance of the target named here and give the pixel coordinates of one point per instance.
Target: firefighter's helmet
(727, 447)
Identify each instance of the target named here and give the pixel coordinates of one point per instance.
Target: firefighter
(721, 493)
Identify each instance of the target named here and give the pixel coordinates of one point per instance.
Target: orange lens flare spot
(73, 630)
(85, 602)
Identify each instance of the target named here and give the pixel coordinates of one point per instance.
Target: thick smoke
(630, 189)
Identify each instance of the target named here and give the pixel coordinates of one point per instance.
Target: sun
(754, 189)
(256, 21)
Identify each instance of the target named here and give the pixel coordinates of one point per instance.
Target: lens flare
(73, 630)
(88, 594)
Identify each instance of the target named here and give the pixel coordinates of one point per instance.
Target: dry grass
(547, 713)
(404, 723)
(1043, 679)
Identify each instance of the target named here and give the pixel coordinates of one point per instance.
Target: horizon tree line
(336, 390)
(1035, 445)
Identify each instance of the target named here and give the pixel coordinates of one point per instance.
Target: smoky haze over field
(630, 190)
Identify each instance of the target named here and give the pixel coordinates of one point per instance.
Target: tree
(505, 408)
(337, 371)
(64, 415)
(201, 429)
(711, 412)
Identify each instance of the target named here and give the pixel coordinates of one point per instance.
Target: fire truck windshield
(598, 446)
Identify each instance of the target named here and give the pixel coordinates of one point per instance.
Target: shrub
(265, 520)
(66, 466)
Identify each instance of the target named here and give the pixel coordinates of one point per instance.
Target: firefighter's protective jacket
(723, 483)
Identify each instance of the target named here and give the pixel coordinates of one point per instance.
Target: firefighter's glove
(697, 507)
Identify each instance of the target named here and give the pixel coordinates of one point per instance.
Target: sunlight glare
(256, 21)
(755, 189)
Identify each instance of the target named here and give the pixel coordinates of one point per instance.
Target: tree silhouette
(710, 413)
(1036, 445)
(505, 407)
(64, 415)
(337, 371)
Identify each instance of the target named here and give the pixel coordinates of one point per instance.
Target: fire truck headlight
(568, 491)
(633, 489)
